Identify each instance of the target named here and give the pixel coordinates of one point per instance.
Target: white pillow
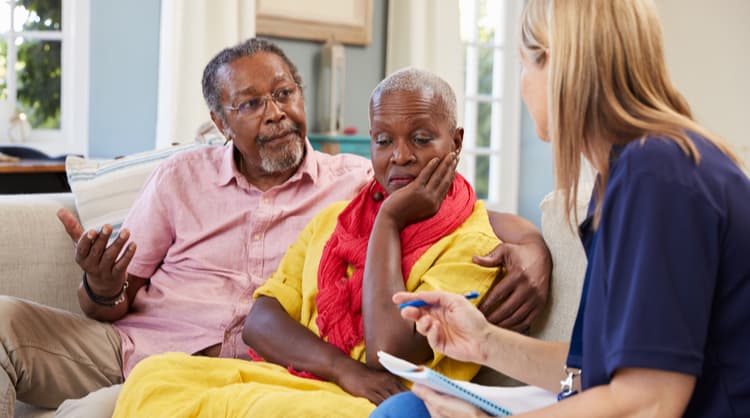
(105, 190)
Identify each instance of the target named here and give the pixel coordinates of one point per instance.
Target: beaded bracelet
(109, 301)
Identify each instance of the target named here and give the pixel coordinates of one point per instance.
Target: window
(44, 73)
(492, 108)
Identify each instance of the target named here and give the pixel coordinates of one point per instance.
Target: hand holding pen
(418, 303)
(452, 324)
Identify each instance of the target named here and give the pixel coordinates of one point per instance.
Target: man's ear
(458, 139)
(219, 122)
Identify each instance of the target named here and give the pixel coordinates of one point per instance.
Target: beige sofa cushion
(568, 267)
(36, 255)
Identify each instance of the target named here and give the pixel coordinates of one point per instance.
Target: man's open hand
(106, 273)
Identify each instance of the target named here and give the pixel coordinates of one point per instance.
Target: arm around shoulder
(520, 297)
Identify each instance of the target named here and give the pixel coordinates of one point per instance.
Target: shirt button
(266, 200)
(257, 237)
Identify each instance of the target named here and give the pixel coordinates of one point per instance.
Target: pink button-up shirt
(207, 239)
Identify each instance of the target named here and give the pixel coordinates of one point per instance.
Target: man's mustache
(282, 130)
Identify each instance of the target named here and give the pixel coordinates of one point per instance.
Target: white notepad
(497, 401)
(439, 382)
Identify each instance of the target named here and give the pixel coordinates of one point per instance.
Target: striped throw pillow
(104, 191)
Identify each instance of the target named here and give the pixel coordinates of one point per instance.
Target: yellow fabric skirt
(179, 385)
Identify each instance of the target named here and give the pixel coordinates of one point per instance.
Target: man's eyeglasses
(256, 106)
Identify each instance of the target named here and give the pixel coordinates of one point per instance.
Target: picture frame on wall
(343, 21)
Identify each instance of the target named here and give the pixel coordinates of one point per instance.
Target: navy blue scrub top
(670, 273)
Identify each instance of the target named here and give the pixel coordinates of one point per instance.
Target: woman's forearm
(385, 329)
(632, 393)
(278, 338)
(532, 361)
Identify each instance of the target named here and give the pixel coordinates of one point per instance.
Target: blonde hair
(608, 84)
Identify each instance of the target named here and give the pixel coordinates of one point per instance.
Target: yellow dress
(178, 385)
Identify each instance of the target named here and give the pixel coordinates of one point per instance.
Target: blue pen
(420, 303)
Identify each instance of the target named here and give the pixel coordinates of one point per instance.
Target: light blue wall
(536, 178)
(124, 65)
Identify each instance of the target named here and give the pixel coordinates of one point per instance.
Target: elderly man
(209, 227)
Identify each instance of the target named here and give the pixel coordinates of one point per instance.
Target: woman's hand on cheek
(422, 198)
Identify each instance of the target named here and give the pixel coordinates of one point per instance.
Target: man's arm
(518, 299)
(513, 228)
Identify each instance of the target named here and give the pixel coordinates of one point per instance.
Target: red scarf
(339, 299)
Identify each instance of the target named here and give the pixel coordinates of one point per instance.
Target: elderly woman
(662, 325)
(320, 319)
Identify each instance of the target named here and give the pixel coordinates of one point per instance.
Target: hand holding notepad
(439, 382)
(496, 401)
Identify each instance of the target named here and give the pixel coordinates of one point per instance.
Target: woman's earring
(376, 196)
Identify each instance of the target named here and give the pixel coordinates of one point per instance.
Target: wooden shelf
(33, 176)
(32, 166)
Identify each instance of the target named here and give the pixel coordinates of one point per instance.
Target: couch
(37, 263)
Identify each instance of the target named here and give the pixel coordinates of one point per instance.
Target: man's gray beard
(281, 160)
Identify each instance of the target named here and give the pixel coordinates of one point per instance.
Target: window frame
(505, 125)
(72, 137)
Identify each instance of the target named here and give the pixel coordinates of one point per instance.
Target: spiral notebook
(439, 382)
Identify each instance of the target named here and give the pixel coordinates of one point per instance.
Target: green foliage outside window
(38, 65)
(40, 83)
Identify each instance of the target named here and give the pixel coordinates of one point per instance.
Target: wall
(124, 65)
(365, 67)
(536, 178)
(708, 55)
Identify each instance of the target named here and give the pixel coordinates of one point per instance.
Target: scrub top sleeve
(658, 255)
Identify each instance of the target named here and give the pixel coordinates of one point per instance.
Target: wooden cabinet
(33, 176)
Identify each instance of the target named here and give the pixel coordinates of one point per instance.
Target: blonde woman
(662, 326)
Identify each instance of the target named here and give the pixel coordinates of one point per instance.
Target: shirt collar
(228, 169)
(308, 168)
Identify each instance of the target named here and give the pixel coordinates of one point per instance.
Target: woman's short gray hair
(414, 80)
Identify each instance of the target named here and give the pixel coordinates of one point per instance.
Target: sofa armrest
(568, 269)
(36, 255)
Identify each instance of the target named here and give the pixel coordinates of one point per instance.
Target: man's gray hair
(414, 80)
(211, 87)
